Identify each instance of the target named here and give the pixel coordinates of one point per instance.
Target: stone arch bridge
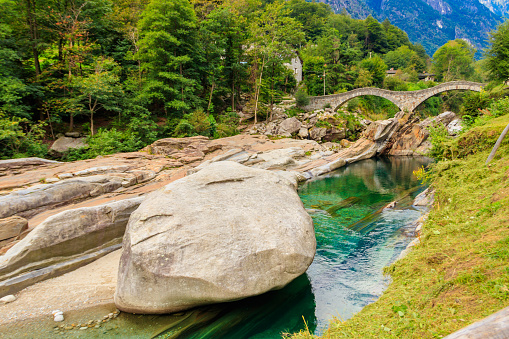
(404, 100)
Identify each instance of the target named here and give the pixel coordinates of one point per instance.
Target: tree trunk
(233, 90)
(92, 109)
(257, 91)
(32, 24)
(497, 144)
(269, 118)
(210, 97)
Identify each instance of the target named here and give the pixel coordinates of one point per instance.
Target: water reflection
(356, 236)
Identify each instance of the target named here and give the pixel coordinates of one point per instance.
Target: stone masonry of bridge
(406, 101)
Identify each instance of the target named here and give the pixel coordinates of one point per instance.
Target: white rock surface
(455, 127)
(225, 233)
(68, 234)
(7, 299)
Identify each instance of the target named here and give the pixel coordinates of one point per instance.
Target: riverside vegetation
(459, 272)
(99, 67)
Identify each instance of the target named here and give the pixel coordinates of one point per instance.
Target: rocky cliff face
(499, 7)
(432, 22)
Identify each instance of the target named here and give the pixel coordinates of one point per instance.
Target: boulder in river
(225, 233)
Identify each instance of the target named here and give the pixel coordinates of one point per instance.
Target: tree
(100, 88)
(312, 16)
(376, 68)
(454, 61)
(274, 35)
(167, 50)
(497, 55)
(375, 38)
(400, 58)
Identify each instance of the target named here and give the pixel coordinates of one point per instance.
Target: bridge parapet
(404, 100)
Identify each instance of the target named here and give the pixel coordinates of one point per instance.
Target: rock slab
(225, 233)
(11, 227)
(68, 235)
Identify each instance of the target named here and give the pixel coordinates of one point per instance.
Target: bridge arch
(404, 100)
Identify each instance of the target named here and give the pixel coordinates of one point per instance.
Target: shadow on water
(266, 316)
(356, 239)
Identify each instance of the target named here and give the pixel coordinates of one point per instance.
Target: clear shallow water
(356, 238)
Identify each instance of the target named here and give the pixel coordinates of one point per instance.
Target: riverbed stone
(289, 126)
(11, 227)
(454, 127)
(317, 133)
(68, 235)
(63, 144)
(225, 233)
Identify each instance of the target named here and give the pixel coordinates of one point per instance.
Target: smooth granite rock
(68, 235)
(225, 233)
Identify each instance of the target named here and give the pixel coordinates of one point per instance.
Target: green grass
(459, 273)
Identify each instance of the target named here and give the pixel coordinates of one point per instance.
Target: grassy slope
(459, 273)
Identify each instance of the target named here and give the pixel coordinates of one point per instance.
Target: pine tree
(167, 51)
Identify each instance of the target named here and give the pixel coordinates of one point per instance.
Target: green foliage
(19, 139)
(104, 142)
(479, 136)
(226, 125)
(438, 136)
(294, 111)
(454, 61)
(301, 98)
(497, 55)
(376, 68)
(474, 102)
(167, 52)
(196, 123)
(404, 58)
(394, 83)
(323, 124)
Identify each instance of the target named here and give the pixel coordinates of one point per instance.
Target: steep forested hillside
(431, 22)
(128, 72)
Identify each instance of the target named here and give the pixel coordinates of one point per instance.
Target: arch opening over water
(406, 101)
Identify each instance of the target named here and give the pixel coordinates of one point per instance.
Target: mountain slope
(431, 22)
(499, 7)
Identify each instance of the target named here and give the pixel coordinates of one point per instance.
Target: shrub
(474, 102)
(19, 138)
(301, 98)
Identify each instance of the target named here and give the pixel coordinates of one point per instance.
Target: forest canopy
(161, 68)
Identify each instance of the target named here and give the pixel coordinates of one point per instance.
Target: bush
(301, 98)
(196, 123)
(439, 138)
(474, 102)
(19, 138)
(105, 142)
(227, 125)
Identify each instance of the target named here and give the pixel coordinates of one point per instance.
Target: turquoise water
(356, 238)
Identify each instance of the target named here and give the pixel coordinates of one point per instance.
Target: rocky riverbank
(44, 192)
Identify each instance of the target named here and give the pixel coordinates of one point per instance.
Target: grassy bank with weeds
(459, 272)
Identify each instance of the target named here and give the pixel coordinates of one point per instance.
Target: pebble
(7, 299)
(83, 328)
(59, 317)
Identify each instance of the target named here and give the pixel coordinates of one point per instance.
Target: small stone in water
(7, 299)
(59, 317)
(83, 328)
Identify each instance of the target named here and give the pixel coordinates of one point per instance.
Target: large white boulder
(225, 233)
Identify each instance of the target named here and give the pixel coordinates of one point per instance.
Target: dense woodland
(128, 72)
